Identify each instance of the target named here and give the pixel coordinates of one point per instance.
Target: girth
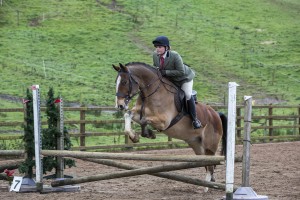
(179, 100)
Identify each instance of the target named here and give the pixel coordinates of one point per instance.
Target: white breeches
(188, 89)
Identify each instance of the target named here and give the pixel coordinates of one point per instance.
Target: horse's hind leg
(209, 170)
(198, 148)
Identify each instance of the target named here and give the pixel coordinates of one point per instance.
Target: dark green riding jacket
(176, 70)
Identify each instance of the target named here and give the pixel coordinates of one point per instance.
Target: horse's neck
(144, 76)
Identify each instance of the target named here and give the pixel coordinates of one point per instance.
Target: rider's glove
(163, 72)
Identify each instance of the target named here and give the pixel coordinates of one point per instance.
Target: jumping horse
(157, 105)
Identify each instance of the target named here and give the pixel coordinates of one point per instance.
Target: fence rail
(272, 120)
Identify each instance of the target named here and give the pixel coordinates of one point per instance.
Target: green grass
(70, 45)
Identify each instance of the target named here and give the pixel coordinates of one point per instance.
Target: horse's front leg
(146, 132)
(128, 130)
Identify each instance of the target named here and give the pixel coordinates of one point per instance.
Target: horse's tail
(224, 136)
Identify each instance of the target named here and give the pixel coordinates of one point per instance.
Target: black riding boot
(193, 114)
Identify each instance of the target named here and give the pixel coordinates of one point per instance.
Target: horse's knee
(148, 133)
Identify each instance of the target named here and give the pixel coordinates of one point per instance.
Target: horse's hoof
(135, 139)
(206, 189)
(152, 136)
(145, 135)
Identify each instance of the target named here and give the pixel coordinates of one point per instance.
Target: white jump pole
(230, 139)
(60, 141)
(37, 136)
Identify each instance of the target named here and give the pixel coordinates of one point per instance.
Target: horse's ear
(124, 68)
(117, 68)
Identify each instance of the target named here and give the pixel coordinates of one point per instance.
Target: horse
(157, 105)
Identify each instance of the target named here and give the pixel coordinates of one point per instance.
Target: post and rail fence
(269, 123)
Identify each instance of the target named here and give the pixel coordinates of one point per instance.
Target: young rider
(172, 67)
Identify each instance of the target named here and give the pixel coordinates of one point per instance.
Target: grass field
(70, 45)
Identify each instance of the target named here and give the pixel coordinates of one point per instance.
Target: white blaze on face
(117, 86)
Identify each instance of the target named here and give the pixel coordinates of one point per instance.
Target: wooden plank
(273, 127)
(276, 137)
(4, 153)
(11, 109)
(277, 117)
(168, 175)
(134, 172)
(90, 108)
(130, 156)
(11, 123)
(94, 121)
(11, 137)
(126, 145)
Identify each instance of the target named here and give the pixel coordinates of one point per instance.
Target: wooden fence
(269, 123)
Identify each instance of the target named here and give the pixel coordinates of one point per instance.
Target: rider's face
(160, 50)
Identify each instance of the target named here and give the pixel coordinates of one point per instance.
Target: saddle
(180, 101)
(180, 104)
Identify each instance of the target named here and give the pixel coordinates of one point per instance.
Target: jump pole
(133, 172)
(37, 137)
(168, 175)
(60, 141)
(208, 160)
(230, 140)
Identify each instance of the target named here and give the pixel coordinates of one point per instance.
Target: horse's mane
(143, 65)
(152, 69)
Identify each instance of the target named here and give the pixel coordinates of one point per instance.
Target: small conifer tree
(28, 138)
(52, 133)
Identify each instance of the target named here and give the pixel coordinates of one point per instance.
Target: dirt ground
(275, 172)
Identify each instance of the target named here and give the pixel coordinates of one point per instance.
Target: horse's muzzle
(122, 107)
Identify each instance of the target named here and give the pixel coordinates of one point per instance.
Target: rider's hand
(163, 72)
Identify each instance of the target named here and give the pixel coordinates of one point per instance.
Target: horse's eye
(123, 82)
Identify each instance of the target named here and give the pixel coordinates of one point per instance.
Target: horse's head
(126, 87)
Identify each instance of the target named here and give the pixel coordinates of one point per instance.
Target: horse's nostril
(121, 107)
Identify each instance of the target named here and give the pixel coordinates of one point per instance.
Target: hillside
(70, 45)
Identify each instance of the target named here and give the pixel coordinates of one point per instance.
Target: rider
(172, 67)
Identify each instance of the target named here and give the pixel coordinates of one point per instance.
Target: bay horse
(156, 106)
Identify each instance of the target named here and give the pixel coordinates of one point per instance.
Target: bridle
(132, 81)
(127, 96)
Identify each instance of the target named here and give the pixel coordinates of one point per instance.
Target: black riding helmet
(161, 41)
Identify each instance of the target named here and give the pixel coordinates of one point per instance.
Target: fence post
(270, 121)
(128, 142)
(238, 122)
(82, 128)
(171, 145)
(247, 141)
(299, 119)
